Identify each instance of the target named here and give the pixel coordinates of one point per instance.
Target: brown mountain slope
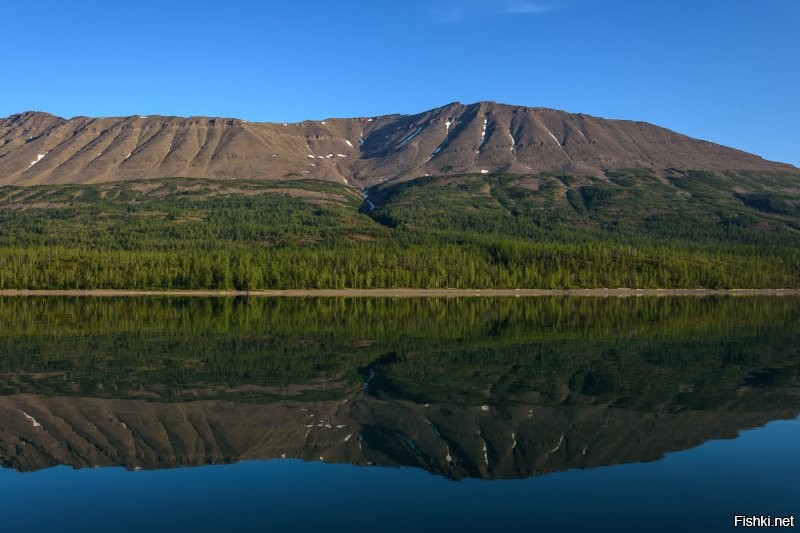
(38, 148)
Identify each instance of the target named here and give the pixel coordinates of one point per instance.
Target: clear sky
(723, 70)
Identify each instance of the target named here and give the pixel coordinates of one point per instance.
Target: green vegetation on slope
(629, 229)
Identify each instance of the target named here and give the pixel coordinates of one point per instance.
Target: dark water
(633, 414)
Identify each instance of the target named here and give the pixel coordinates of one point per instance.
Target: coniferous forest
(549, 231)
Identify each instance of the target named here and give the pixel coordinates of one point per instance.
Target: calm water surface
(544, 414)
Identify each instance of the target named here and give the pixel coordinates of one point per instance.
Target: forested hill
(466, 196)
(634, 228)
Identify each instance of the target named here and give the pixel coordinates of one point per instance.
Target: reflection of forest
(543, 384)
(637, 352)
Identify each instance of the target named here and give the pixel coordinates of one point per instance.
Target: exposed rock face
(38, 148)
(455, 441)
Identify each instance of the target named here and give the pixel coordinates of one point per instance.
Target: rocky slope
(38, 148)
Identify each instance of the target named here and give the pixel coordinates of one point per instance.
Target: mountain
(485, 137)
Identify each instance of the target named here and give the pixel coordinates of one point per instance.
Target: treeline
(505, 263)
(457, 232)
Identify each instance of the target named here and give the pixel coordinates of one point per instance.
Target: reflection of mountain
(567, 382)
(452, 440)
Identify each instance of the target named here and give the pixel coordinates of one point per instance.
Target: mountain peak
(482, 137)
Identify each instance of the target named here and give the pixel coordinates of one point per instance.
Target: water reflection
(462, 387)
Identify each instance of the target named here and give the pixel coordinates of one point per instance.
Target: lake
(307, 414)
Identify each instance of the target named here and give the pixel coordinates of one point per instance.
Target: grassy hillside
(627, 229)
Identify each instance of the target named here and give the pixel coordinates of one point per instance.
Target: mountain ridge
(484, 137)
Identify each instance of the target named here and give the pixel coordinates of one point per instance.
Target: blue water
(757, 473)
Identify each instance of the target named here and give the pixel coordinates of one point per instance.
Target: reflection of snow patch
(410, 444)
(513, 440)
(347, 438)
(35, 423)
(484, 171)
(484, 407)
(560, 442)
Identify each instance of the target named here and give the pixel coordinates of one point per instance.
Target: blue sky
(723, 70)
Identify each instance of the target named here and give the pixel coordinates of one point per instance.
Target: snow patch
(419, 129)
(38, 158)
(323, 122)
(553, 136)
(439, 149)
(484, 171)
(340, 155)
(349, 143)
(483, 133)
(329, 156)
(311, 157)
(127, 156)
(142, 116)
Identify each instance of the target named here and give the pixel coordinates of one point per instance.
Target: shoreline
(400, 293)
